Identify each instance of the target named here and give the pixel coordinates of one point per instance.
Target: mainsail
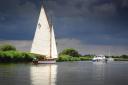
(44, 40)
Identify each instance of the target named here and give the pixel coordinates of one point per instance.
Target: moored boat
(99, 58)
(110, 59)
(44, 60)
(48, 61)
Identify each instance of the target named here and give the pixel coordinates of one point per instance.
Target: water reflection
(98, 73)
(15, 74)
(65, 73)
(43, 74)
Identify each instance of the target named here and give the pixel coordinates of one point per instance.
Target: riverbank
(15, 57)
(120, 59)
(63, 58)
(26, 57)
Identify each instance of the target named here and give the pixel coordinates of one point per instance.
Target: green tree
(7, 47)
(124, 56)
(71, 52)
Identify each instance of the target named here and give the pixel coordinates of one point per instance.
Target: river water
(65, 73)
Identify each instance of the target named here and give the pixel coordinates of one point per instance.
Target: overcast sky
(90, 26)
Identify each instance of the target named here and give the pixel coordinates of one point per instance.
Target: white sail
(53, 45)
(44, 39)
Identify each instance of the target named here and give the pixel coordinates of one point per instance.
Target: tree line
(9, 53)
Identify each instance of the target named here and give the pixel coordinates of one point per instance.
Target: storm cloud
(102, 23)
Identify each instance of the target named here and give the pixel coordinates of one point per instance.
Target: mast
(50, 41)
(109, 52)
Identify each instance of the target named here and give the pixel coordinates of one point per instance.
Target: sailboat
(44, 43)
(109, 59)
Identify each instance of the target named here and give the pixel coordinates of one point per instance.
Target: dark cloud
(89, 8)
(18, 17)
(101, 22)
(93, 31)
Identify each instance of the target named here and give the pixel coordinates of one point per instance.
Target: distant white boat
(44, 42)
(99, 58)
(110, 59)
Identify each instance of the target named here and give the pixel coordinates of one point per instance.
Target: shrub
(85, 58)
(64, 58)
(124, 56)
(7, 47)
(74, 59)
(71, 52)
(68, 58)
(16, 56)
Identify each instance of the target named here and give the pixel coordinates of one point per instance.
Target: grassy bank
(25, 57)
(63, 58)
(71, 58)
(70, 54)
(15, 56)
(120, 58)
